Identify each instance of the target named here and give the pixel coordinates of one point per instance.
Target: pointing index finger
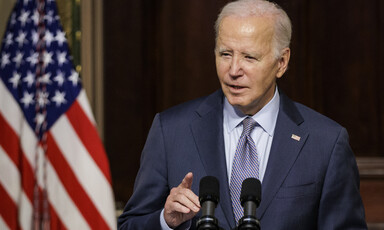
(187, 181)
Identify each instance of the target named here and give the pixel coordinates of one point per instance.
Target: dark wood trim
(376, 226)
(371, 167)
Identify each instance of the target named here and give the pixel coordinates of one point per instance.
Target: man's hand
(182, 204)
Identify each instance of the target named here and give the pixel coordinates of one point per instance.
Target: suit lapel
(207, 131)
(284, 151)
(208, 135)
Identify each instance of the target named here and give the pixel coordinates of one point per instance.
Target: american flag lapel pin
(295, 137)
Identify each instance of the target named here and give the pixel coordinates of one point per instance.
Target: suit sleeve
(341, 206)
(151, 188)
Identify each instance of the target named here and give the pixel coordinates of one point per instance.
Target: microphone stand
(207, 223)
(249, 223)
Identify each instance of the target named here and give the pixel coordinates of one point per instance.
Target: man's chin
(236, 100)
(245, 108)
(238, 104)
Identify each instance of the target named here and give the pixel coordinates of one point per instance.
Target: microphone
(250, 198)
(209, 196)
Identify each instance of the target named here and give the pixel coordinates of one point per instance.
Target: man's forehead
(265, 18)
(233, 28)
(246, 25)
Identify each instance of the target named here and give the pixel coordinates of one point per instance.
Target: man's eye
(250, 58)
(225, 54)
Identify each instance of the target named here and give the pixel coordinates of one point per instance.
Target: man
(308, 171)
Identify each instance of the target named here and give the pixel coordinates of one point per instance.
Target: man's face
(245, 62)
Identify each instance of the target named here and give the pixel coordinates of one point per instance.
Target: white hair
(261, 8)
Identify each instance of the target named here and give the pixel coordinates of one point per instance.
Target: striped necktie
(245, 165)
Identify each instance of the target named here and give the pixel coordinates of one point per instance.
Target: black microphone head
(209, 189)
(251, 191)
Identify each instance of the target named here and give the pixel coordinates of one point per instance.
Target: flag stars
(4, 60)
(8, 40)
(48, 58)
(60, 37)
(35, 64)
(74, 78)
(35, 37)
(48, 38)
(42, 98)
(33, 58)
(26, 2)
(49, 17)
(15, 79)
(35, 17)
(29, 79)
(24, 17)
(40, 78)
(21, 39)
(59, 78)
(45, 79)
(61, 58)
(13, 19)
(59, 98)
(39, 119)
(27, 99)
(18, 58)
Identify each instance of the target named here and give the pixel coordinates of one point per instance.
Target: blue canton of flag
(19, 59)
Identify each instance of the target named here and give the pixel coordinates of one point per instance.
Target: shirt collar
(266, 117)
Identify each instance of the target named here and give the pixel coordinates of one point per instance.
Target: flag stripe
(11, 112)
(25, 212)
(28, 158)
(10, 180)
(73, 187)
(7, 136)
(27, 172)
(9, 141)
(64, 212)
(73, 150)
(87, 133)
(9, 176)
(27, 177)
(3, 225)
(64, 206)
(8, 209)
(56, 223)
(10, 109)
(83, 101)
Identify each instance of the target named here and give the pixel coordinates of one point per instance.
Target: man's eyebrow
(251, 53)
(223, 49)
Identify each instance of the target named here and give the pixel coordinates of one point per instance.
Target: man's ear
(283, 61)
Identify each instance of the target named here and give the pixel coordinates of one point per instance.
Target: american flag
(54, 172)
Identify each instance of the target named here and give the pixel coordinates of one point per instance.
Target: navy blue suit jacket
(311, 183)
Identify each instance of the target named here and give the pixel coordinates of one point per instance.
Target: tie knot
(248, 125)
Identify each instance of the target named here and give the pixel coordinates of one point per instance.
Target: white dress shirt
(262, 135)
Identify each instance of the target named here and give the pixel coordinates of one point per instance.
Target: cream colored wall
(5, 10)
(92, 62)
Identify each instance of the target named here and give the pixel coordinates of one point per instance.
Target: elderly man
(303, 159)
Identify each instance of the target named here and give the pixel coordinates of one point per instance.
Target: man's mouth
(236, 87)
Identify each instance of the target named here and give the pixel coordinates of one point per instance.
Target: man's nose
(235, 68)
